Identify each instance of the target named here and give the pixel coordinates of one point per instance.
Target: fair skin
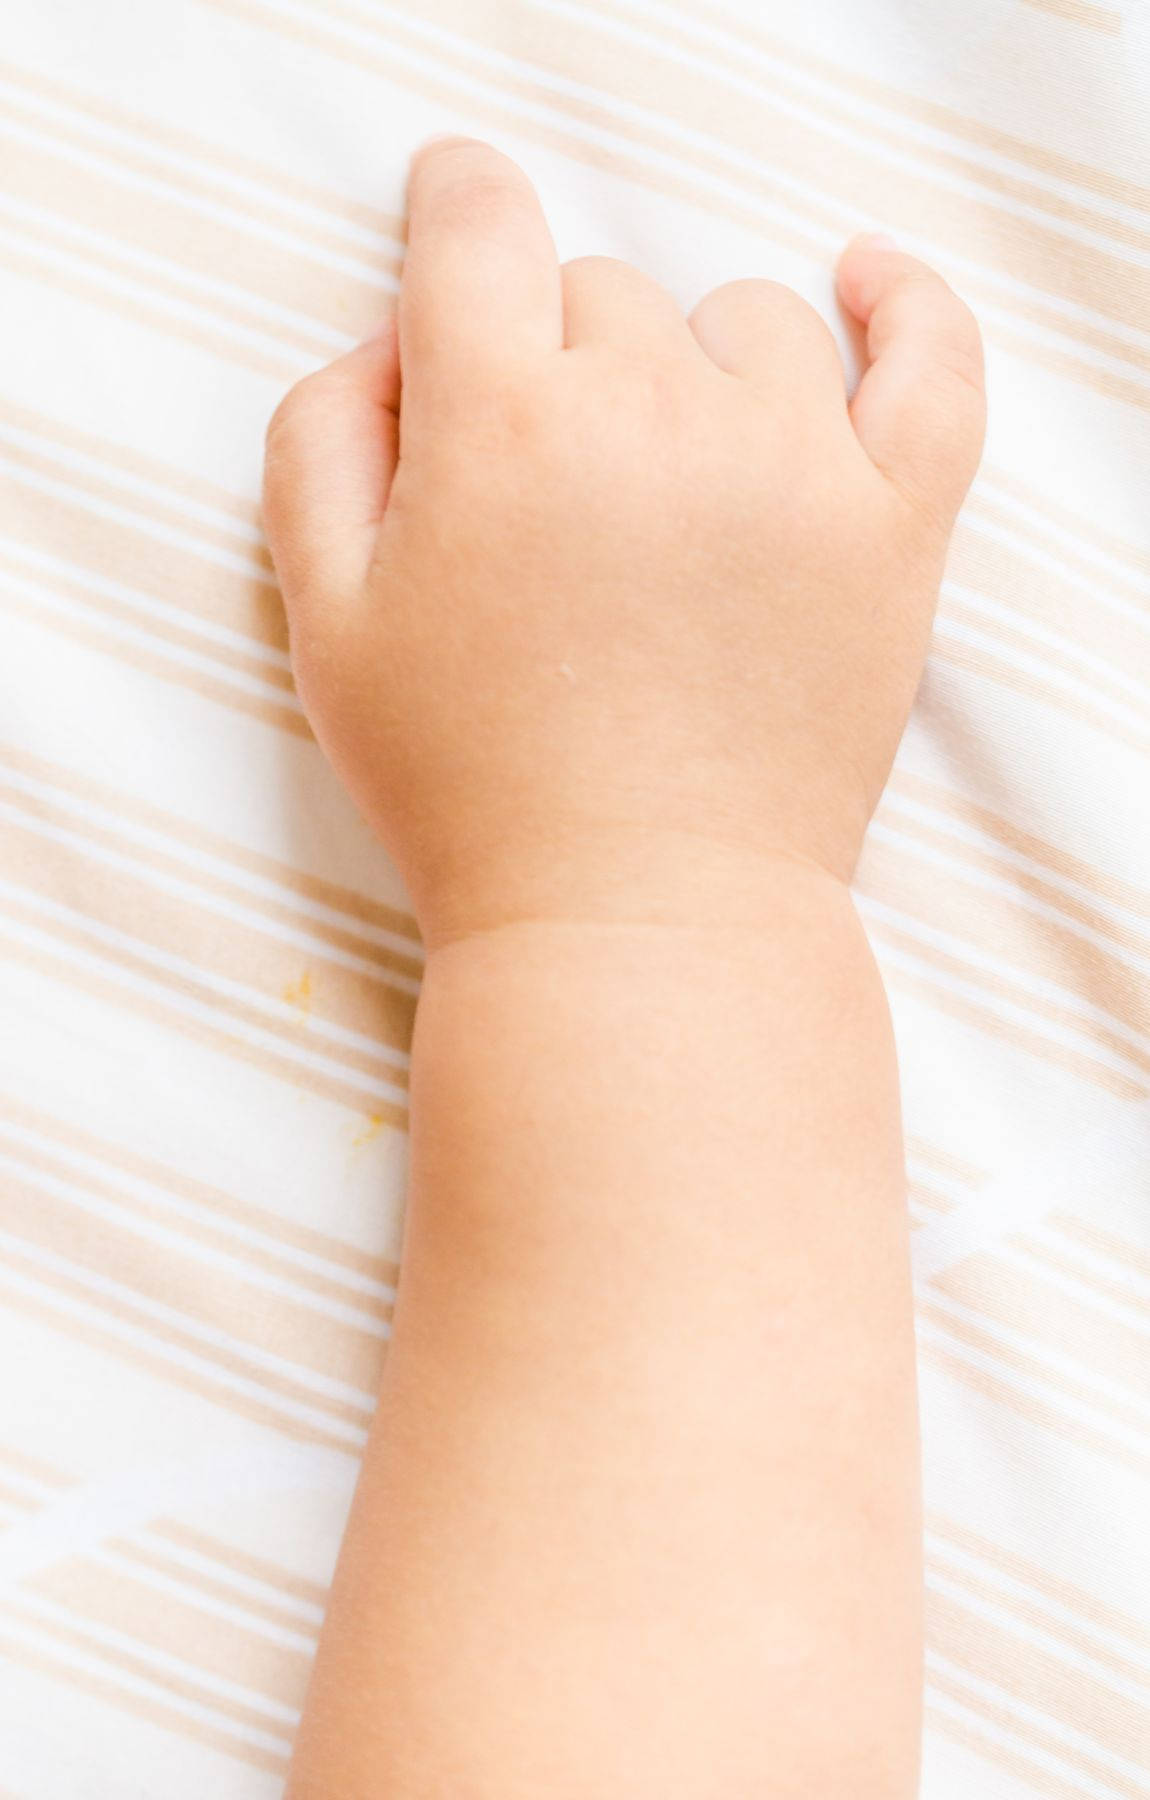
(610, 621)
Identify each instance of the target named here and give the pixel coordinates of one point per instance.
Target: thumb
(920, 408)
(329, 459)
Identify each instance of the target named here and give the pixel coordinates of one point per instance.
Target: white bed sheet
(207, 970)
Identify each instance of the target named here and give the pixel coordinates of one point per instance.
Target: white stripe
(199, 977)
(75, 272)
(208, 861)
(204, 900)
(1050, 1363)
(88, 462)
(360, 237)
(108, 1323)
(147, 526)
(1048, 1722)
(46, 563)
(93, 617)
(1048, 1643)
(1013, 1586)
(173, 1000)
(250, 1273)
(113, 1293)
(255, 226)
(189, 1592)
(250, 1235)
(1014, 1743)
(90, 1662)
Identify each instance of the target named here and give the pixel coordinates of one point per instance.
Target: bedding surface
(208, 971)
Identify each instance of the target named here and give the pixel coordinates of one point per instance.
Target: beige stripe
(145, 1669)
(1022, 842)
(1039, 1619)
(117, 1601)
(1022, 681)
(985, 1018)
(17, 1497)
(257, 1568)
(162, 631)
(1069, 661)
(930, 1197)
(944, 1162)
(32, 1466)
(943, 901)
(165, 226)
(1060, 362)
(78, 933)
(973, 661)
(958, 849)
(275, 1613)
(231, 1362)
(1081, 12)
(55, 1317)
(1128, 1255)
(129, 1161)
(272, 177)
(1032, 1366)
(179, 1226)
(1019, 1400)
(153, 1711)
(506, 118)
(1034, 1677)
(1027, 1303)
(699, 98)
(1120, 548)
(116, 993)
(250, 1315)
(184, 830)
(1031, 1774)
(1081, 1272)
(171, 573)
(910, 145)
(111, 486)
(127, 461)
(1076, 577)
(1050, 255)
(165, 862)
(230, 949)
(107, 642)
(1021, 1569)
(929, 112)
(1064, 603)
(27, 262)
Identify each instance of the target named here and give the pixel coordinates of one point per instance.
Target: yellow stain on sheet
(298, 993)
(368, 1132)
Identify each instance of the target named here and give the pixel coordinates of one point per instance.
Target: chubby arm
(614, 644)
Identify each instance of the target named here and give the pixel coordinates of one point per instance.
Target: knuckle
(758, 299)
(768, 312)
(591, 268)
(283, 426)
(281, 422)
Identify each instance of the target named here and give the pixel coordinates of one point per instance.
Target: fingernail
(876, 240)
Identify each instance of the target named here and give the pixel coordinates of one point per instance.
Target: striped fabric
(208, 972)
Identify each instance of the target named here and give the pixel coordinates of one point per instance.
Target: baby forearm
(639, 1516)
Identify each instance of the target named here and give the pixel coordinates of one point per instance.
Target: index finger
(481, 285)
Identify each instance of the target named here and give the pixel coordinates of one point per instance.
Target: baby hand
(593, 606)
